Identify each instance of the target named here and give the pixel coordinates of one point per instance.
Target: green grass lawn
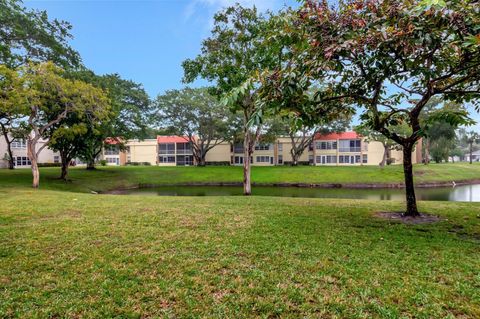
(65, 254)
(107, 178)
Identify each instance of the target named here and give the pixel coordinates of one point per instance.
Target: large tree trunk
(65, 165)
(90, 164)
(409, 186)
(385, 154)
(32, 155)
(247, 187)
(11, 164)
(295, 157)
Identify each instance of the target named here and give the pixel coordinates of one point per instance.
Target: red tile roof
(113, 140)
(172, 139)
(337, 136)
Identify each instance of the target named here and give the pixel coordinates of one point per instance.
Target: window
(357, 159)
(166, 148)
(112, 160)
(21, 161)
(326, 145)
(237, 148)
(183, 160)
(111, 150)
(344, 159)
(326, 159)
(184, 148)
(19, 143)
(56, 159)
(166, 159)
(310, 159)
(280, 147)
(280, 159)
(263, 159)
(238, 160)
(350, 145)
(364, 158)
(262, 147)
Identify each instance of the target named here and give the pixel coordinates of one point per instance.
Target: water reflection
(468, 193)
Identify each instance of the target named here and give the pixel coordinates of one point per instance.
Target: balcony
(350, 149)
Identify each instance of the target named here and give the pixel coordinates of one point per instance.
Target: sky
(145, 40)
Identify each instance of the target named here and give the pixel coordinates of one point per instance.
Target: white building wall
(46, 155)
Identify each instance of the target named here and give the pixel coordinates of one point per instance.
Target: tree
(129, 110)
(229, 58)
(68, 136)
(391, 59)
(388, 144)
(442, 140)
(197, 115)
(29, 35)
(50, 99)
(302, 136)
(471, 138)
(12, 101)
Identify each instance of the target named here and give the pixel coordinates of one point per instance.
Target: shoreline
(299, 185)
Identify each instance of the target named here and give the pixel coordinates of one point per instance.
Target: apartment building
(336, 149)
(20, 158)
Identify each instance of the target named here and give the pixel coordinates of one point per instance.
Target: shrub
(103, 162)
(49, 164)
(222, 163)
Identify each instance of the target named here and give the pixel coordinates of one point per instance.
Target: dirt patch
(400, 216)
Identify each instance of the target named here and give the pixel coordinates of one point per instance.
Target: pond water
(466, 193)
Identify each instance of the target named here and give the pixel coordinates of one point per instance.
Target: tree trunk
(247, 187)
(11, 164)
(409, 186)
(202, 161)
(65, 164)
(471, 153)
(295, 157)
(32, 155)
(90, 164)
(384, 158)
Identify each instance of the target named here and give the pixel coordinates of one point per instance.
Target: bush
(224, 163)
(103, 162)
(49, 164)
(299, 163)
(138, 164)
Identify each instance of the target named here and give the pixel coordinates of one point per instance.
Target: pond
(465, 193)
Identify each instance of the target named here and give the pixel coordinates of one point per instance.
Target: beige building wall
(142, 151)
(374, 153)
(219, 153)
(46, 155)
(285, 144)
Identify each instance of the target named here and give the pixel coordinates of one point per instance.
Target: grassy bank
(64, 254)
(106, 178)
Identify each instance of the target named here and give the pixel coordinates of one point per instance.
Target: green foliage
(197, 115)
(129, 111)
(103, 162)
(29, 35)
(390, 59)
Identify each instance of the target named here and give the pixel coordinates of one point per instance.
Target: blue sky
(145, 41)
